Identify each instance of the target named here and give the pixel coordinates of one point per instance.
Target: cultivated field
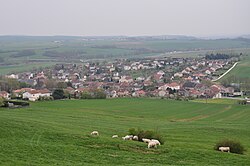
(17, 51)
(57, 132)
(242, 70)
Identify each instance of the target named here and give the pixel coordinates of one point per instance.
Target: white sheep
(146, 140)
(156, 141)
(128, 137)
(152, 144)
(224, 149)
(135, 138)
(95, 133)
(115, 136)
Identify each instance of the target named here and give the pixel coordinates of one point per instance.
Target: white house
(35, 94)
(172, 86)
(127, 79)
(127, 67)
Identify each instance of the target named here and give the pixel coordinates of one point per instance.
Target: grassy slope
(125, 49)
(57, 132)
(23, 67)
(242, 70)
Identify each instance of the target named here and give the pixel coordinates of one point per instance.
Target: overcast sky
(125, 17)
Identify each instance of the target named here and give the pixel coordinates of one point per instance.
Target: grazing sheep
(128, 137)
(95, 133)
(156, 141)
(135, 138)
(224, 149)
(152, 144)
(146, 140)
(115, 136)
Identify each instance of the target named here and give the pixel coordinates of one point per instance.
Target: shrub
(93, 94)
(1, 101)
(45, 98)
(150, 134)
(235, 146)
(242, 102)
(16, 103)
(58, 94)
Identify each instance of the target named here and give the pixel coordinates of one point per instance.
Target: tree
(58, 94)
(86, 95)
(50, 83)
(1, 101)
(62, 85)
(99, 94)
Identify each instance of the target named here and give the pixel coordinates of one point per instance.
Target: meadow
(58, 132)
(242, 70)
(70, 49)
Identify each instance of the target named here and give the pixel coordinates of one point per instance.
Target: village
(175, 78)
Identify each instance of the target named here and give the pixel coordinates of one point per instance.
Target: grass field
(70, 49)
(57, 132)
(216, 101)
(23, 67)
(242, 70)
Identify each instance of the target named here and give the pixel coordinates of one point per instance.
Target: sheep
(115, 136)
(135, 138)
(95, 133)
(128, 137)
(146, 140)
(156, 141)
(224, 149)
(152, 144)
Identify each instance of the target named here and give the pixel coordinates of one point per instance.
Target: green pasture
(58, 132)
(242, 69)
(23, 67)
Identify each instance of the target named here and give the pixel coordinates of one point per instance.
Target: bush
(58, 94)
(93, 94)
(1, 101)
(242, 102)
(146, 134)
(16, 103)
(45, 98)
(235, 146)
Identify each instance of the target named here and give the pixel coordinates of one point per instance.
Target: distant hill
(246, 36)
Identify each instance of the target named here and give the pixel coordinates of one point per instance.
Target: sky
(125, 17)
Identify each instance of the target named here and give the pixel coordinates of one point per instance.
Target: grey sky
(124, 17)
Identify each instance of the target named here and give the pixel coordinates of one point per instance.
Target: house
(127, 68)
(5, 95)
(19, 92)
(126, 79)
(189, 85)
(178, 75)
(217, 95)
(14, 76)
(194, 93)
(162, 93)
(140, 93)
(173, 86)
(208, 72)
(34, 95)
(70, 90)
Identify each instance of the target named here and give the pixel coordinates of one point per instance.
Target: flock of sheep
(152, 143)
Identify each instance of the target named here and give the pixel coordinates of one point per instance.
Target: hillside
(57, 132)
(22, 53)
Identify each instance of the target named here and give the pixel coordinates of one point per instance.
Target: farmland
(35, 51)
(57, 132)
(242, 70)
